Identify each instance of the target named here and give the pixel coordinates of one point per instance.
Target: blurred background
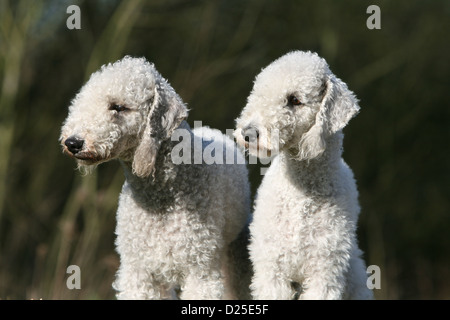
(398, 146)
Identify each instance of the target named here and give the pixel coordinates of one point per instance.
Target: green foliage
(52, 217)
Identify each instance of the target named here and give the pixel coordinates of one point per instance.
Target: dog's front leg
(203, 286)
(136, 284)
(326, 269)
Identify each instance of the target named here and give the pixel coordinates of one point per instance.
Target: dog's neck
(158, 191)
(161, 174)
(317, 174)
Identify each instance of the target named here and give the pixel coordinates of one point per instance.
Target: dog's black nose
(74, 144)
(250, 133)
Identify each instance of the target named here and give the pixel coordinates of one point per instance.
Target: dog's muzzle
(250, 134)
(74, 147)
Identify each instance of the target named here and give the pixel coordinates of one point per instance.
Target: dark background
(52, 217)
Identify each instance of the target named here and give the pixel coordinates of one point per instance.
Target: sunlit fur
(178, 226)
(304, 224)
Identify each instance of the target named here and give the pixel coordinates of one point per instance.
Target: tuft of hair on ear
(341, 105)
(165, 115)
(145, 157)
(338, 106)
(312, 144)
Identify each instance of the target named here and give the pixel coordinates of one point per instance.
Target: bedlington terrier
(303, 234)
(178, 223)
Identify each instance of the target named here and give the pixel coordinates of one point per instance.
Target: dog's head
(295, 103)
(125, 111)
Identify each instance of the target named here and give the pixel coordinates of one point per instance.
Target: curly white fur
(178, 226)
(304, 224)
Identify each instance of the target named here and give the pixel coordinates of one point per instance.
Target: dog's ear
(165, 114)
(338, 106)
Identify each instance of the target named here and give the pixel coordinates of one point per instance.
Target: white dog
(304, 225)
(178, 225)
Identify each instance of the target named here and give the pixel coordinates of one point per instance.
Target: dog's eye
(117, 107)
(294, 101)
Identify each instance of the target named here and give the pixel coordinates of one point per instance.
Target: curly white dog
(178, 225)
(304, 229)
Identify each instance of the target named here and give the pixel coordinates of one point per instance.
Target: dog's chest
(160, 238)
(288, 219)
(294, 221)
